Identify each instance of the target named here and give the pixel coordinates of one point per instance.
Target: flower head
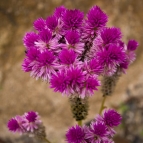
(32, 121)
(110, 58)
(89, 86)
(45, 35)
(45, 66)
(29, 39)
(111, 118)
(72, 37)
(31, 116)
(110, 35)
(96, 18)
(94, 67)
(132, 45)
(59, 82)
(46, 58)
(72, 19)
(27, 65)
(32, 53)
(67, 57)
(76, 77)
(51, 22)
(75, 135)
(97, 133)
(59, 11)
(13, 125)
(16, 124)
(39, 24)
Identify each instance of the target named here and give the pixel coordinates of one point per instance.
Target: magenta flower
(96, 18)
(97, 133)
(39, 24)
(110, 58)
(72, 19)
(46, 41)
(132, 45)
(13, 125)
(45, 66)
(75, 135)
(72, 42)
(93, 67)
(16, 124)
(30, 39)
(107, 36)
(32, 121)
(76, 78)
(27, 65)
(111, 119)
(59, 11)
(52, 22)
(60, 83)
(89, 86)
(32, 54)
(67, 57)
(72, 37)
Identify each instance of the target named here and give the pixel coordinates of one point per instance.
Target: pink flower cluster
(101, 130)
(70, 50)
(27, 123)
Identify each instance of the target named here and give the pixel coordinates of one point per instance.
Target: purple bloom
(29, 39)
(96, 18)
(107, 36)
(13, 125)
(52, 22)
(32, 53)
(26, 65)
(93, 67)
(76, 77)
(45, 35)
(75, 135)
(97, 133)
(89, 86)
(31, 116)
(59, 11)
(111, 118)
(72, 37)
(111, 57)
(67, 57)
(39, 24)
(45, 66)
(72, 42)
(72, 19)
(46, 42)
(16, 124)
(32, 121)
(132, 45)
(59, 82)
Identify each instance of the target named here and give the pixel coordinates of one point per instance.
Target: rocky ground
(20, 93)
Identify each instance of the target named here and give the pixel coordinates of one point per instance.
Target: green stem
(102, 104)
(80, 122)
(46, 140)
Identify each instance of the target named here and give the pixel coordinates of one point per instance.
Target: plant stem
(80, 122)
(46, 140)
(102, 104)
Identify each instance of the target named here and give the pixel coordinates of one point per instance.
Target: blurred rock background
(20, 93)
